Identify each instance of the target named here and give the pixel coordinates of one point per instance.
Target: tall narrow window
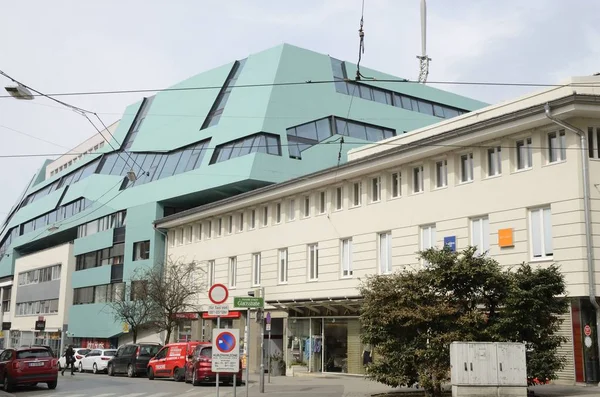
(356, 194)
(189, 231)
(557, 146)
(417, 181)
(292, 210)
(283, 266)
(322, 202)
(594, 142)
(396, 184)
(428, 239)
(233, 272)
(385, 253)
(494, 161)
(198, 232)
(306, 206)
(480, 235)
(441, 173)
(313, 262)
(541, 233)
(339, 198)
(375, 189)
(524, 154)
(256, 270)
(241, 229)
(211, 272)
(141, 250)
(230, 224)
(466, 167)
(252, 219)
(278, 213)
(209, 229)
(265, 215)
(346, 256)
(219, 226)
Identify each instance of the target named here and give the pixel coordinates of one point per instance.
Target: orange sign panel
(505, 238)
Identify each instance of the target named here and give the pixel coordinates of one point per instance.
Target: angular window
(385, 253)
(557, 146)
(524, 154)
(283, 266)
(346, 256)
(480, 235)
(494, 161)
(541, 233)
(417, 181)
(313, 262)
(260, 143)
(466, 167)
(217, 109)
(441, 173)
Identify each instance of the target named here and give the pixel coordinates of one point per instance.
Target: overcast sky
(65, 46)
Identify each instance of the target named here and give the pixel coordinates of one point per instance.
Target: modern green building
(220, 133)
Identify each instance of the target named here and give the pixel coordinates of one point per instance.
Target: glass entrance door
(316, 345)
(336, 345)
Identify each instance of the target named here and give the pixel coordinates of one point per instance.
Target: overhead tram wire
(81, 112)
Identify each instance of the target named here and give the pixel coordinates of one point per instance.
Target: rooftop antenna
(423, 58)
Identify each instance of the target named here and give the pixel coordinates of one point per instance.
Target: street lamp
(19, 92)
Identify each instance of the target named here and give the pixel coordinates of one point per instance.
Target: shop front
(96, 343)
(585, 341)
(324, 336)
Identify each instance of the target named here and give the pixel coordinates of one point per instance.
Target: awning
(339, 305)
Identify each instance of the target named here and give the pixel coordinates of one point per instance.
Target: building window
(480, 235)
(541, 233)
(594, 142)
(292, 210)
(418, 179)
(306, 206)
(141, 250)
(385, 253)
(233, 272)
(210, 229)
(230, 224)
(241, 228)
(278, 213)
(339, 198)
(260, 143)
(441, 173)
(322, 202)
(427, 239)
(396, 181)
(188, 234)
(210, 272)
(198, 232)
(466, 167)
(6, 300)
(356, 194)
(180, 236)
(524, 154)
(494, 161)
(219, 227)
(375, 189)
(283, 266)
(40, 275)
(346, 254)
(256, 270)
(265, 216)
(313, 262)
(252, 219)
(557, 146)
(36, 308)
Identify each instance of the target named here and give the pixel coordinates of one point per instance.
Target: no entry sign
(218, 294)
(587, 330)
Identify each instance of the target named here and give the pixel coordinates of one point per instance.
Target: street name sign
(248, 302)
(226, 350)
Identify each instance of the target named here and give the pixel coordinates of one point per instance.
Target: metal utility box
(488, 369)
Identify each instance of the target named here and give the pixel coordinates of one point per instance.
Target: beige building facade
(506, 179)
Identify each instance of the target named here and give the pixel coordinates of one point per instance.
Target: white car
(96, 360)
(79, 354)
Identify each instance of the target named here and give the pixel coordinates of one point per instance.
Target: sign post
(218, 295)
(269, 348)
(248, 303)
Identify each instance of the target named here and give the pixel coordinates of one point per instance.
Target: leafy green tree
(412, 317)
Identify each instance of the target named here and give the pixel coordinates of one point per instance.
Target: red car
(198, 369)
(28, 366)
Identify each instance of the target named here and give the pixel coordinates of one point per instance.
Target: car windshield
(109, 352)
(32, 353)
(149, 350)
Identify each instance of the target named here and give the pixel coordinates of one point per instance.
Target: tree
(174, 288)
(130, 306)
(412, 317)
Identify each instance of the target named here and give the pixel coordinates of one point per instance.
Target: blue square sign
(450, 242)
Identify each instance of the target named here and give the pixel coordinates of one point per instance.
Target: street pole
(269, 365)
(262, 345)
(234, 384)
(247, 351)
(217, 377)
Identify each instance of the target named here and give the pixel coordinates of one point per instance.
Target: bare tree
(131, 306)
(174, 287)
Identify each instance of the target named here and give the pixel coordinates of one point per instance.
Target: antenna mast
(423, 58)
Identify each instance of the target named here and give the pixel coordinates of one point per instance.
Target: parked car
(96, 360)
(132, 359)
(79, 354)
(52, 352)
(170, 361)
(27, 366)
(198, 369)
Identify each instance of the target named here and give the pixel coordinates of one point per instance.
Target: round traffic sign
(226, 342)
(587, 330)
(218, 294)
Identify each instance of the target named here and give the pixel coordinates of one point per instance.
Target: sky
(78, 46)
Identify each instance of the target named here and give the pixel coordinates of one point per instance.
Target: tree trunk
(168, 336)
(134, 333)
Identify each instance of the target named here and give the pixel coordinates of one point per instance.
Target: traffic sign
(268, 327)
(218, 294)
(248, 302)
(225, 350)
(587, 330)
(268, 318)
(218, 310)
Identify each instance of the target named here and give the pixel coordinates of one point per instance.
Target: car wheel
(194, 378)
(150, 373)
(52, 385)
(111, 370)
(81, 368)
(94, 369)
(178, 374)
(130, 371)
(7, 386)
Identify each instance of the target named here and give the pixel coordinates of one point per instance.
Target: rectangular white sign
(218, 310)
(226, 350)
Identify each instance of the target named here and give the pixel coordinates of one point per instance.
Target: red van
(198, 369)
(170, 361)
